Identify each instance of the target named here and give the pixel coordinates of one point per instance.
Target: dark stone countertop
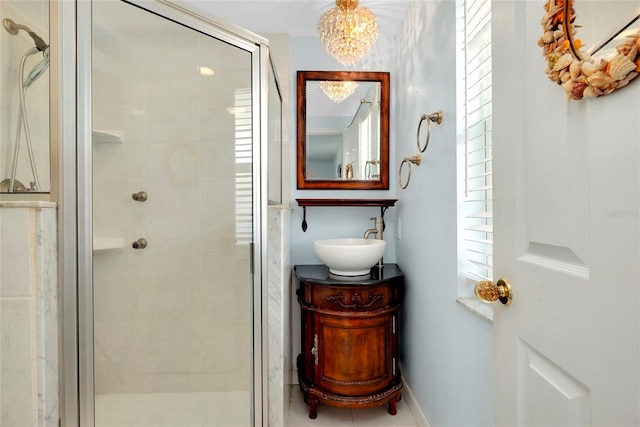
(320, 274)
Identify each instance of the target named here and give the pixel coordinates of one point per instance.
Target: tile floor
(336, 417)
(229, 409)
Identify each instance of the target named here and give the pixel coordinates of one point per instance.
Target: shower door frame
(76, 199)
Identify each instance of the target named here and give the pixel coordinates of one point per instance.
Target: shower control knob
(139, 244)
(140, 196)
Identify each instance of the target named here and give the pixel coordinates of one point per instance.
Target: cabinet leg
(392, 405)
(313, 409)
(392, 408)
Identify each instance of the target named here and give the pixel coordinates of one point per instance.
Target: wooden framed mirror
(343, 130)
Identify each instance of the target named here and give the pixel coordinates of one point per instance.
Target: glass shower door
(172, 223)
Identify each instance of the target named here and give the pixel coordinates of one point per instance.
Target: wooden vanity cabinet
(349, 338)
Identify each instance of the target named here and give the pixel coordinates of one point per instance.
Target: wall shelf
(384, 204)
(111, 136)
(108, 244)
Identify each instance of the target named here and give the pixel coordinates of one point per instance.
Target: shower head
(38, 70)
(13, 28)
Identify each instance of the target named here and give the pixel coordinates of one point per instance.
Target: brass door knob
(489, 292)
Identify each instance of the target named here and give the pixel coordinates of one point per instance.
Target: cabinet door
(355, 355)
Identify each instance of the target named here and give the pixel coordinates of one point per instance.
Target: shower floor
(215, 409)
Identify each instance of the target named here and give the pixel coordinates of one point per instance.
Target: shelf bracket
(383, 209)
(304, 218)
(384, 204)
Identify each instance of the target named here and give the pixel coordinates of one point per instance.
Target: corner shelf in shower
(384, 204)
(110, 136)
(108, 244)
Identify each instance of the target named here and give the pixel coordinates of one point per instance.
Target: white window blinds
(474, 22)
(243, 165)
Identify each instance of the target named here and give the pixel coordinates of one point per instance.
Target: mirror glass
(343, 133)
(343, 130)
(608, 24)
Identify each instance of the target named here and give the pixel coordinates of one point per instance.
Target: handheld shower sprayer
(23, 123)
(38, 70)
(13, 29)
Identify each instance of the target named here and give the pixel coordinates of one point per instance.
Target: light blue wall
(446, 351)
(307, 54)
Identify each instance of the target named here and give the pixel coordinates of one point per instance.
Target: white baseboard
(293, 376)
(410, 400)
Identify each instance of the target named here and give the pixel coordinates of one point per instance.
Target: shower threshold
(206, 409)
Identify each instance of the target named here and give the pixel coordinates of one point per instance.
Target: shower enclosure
(172, 195)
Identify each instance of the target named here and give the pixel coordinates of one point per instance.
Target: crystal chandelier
(338, 91)
(348, 31)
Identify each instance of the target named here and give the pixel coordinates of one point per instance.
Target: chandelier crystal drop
(348, 31)
(338, 91)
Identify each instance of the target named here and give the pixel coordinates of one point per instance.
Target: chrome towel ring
(408, 160)
(433, 117)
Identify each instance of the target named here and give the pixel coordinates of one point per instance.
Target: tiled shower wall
(29, 374)
(176, 316)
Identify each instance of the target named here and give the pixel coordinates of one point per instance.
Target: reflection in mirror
(343, 133)
(24, 90)
(343, 130)
(616, 21)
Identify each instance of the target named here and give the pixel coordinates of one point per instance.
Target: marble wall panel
(47, 316)
(17, 404)
(15, 280)
(29, 347)
(279, 322)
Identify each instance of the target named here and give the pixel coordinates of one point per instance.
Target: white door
(567, 237)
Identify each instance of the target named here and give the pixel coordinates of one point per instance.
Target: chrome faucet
(377, 230)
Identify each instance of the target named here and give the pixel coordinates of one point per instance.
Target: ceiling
(298, 18)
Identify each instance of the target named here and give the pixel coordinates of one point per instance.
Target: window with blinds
(243, 165)
(474, 130)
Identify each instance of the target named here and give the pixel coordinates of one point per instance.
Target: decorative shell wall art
(572, 68)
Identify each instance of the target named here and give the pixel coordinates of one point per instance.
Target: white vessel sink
(350, 257)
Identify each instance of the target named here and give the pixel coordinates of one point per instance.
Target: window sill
(479, 308)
